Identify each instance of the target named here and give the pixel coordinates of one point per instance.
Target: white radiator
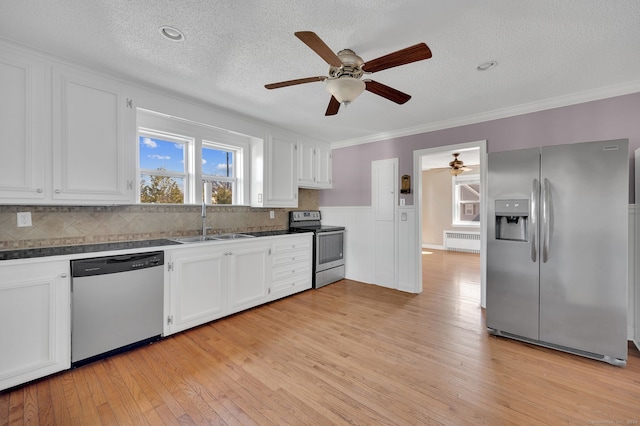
(462, 241)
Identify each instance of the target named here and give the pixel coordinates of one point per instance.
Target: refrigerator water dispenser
(512, 220)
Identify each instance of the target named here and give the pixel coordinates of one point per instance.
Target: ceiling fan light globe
(345, 89)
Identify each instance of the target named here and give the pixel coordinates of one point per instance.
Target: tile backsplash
(70, 225)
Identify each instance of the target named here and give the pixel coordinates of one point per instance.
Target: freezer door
(583, 273)
(512, 264)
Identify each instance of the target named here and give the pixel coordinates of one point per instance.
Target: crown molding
(556, 102)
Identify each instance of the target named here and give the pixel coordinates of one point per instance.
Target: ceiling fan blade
(410, 54)
(333, 107)
(294, 82)
(316, 44)
(386, 92)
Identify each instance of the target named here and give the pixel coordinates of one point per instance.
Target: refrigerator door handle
(545, 220)
(535, 189)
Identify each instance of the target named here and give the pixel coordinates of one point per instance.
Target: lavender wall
(612, 118)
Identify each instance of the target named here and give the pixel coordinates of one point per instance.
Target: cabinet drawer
(289, 281)
(291, 270)
(298, 244)
(292, 257)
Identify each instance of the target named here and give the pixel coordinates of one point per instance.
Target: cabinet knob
(63, 275)
(57, 191)
(39, 190)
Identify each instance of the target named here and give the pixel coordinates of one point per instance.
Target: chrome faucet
(203, 214)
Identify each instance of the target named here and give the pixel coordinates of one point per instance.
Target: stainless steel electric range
(328, 247)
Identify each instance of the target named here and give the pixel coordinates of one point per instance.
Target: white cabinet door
(249, 277)
(274, 174)
(306, 164)
(314, 165)
(282, 158)
(23, 147)
(323, 166)
(198, 282)
(35, 333)
(93, 139)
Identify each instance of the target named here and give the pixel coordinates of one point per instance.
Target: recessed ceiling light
(171, 33)
(487, 66)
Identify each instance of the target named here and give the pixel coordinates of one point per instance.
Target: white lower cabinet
(198, 281)
(213, 280)
(291, 265)
(35, 335)
(248, 275)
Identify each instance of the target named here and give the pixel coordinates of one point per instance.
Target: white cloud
(223, 166)
(204, 161)
(178, 146)
(149, 143)
(159, 157)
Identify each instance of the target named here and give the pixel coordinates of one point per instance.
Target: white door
(384, 184)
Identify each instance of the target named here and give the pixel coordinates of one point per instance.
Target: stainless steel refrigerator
(557, 247)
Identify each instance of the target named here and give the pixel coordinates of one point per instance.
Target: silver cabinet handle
(57, 191)
(63, 275)
(535, 192)
(546, 220)
(39, 190)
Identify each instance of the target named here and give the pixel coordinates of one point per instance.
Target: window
(466, 200)
(169, 150)
(162, 167)
(218, 172)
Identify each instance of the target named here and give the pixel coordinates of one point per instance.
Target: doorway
(439, 155)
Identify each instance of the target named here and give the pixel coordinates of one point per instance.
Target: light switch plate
(24, 219)
(272, 214)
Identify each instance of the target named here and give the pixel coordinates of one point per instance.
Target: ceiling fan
(346, 69)
(457, 166)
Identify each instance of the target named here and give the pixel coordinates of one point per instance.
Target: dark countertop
(95, 248)
(84, 248)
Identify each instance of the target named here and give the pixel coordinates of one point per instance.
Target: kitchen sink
(215, 237)
(229, 236)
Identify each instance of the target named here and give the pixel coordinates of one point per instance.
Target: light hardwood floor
(346, 353)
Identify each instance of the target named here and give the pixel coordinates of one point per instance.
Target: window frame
(236, 191)
(202, 135)
(455, 199)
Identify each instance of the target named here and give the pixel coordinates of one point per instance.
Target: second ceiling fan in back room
(346, 69)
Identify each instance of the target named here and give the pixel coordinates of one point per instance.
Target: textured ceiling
(546, 50)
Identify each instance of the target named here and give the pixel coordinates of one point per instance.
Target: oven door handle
(330, 232)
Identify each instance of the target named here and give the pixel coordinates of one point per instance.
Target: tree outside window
(185, 162)
(218, 169)
(162, 168)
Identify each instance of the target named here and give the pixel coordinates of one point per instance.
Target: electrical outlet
(401, 202)
(24, 219)
(272, 214)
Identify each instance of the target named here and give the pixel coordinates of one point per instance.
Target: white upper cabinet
(93, 139)
(23, 144)
(274, 167)
(67, 136)
(314, 165)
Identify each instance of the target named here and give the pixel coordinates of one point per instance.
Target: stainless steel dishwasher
(116, 304)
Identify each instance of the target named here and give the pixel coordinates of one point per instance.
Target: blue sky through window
(216, 162)
(157, 153)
